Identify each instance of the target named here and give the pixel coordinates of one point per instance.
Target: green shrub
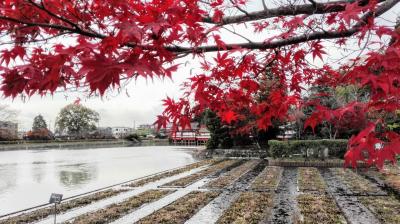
(212, 143)
(133, 137)
(337, 147)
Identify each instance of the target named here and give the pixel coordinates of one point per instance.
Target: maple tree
(50, 45)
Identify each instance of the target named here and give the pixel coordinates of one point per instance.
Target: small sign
(55, 198)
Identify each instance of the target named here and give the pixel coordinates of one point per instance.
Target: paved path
(70, 214)
(285, 205)
(354, 211)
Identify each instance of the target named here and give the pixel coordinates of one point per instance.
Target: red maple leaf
(317, 50)
(228, 116)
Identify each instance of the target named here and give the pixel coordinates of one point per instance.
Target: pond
(28, 177)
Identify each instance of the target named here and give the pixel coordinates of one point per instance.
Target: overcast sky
(140, 102)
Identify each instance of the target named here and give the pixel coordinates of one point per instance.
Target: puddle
(352, 209)
(116, 199)
(211, 212)
(285, 205)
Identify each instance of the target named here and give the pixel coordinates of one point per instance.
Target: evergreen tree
(39, 123)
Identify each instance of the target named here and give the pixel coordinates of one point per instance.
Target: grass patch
(250, 207)
(232, 175)
(318, 209)
(115, 211)
(180, 210)
(268, 179)
(386, 209)
(63, 207)
(355, 182)
(310, 180)
(173, 172)
(182, 182)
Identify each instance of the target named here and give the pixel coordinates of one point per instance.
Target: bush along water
(308, 148)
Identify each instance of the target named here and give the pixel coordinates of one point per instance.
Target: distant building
(287, 132)
(146, 126)
(8, 130)
(104, 133)
(145, 129)
(121, 132)
(203, 134)
(194, 135)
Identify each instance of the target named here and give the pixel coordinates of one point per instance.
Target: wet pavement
(211, 212)
(285, 205)
(154, 206)
(116, 199)
(353, 210)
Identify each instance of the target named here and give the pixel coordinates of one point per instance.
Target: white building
(121, 132)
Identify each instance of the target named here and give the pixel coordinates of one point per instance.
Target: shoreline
(26, 145)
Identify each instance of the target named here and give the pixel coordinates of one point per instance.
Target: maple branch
(238, 8)
(235, 33)
(36, 40)
(291, 10)
(299, 9)
(54, 26)
(297, 39)
(43, 8)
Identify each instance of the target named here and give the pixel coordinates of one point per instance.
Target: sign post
(56, 199)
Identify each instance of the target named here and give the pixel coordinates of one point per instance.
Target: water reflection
(34, 174)
(38, 173)
(74, 175)
(8, 174)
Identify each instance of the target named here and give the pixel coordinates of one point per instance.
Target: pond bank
(98, 143)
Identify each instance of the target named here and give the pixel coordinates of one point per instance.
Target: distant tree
(325, 103)
(39, 134)
(76, 120)
(39, 123)
(220, 136)
(393, 121)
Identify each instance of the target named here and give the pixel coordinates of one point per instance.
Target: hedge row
(337, 147)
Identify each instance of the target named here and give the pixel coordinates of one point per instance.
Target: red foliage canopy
(97, 44)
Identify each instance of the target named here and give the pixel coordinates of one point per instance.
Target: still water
(28, 177)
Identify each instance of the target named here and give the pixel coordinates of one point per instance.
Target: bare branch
(388, 4)
(43, 8)
(53, 26)
(238, 8)
(264, 5)
(297, 39)
(237, 34)
(289, 10)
